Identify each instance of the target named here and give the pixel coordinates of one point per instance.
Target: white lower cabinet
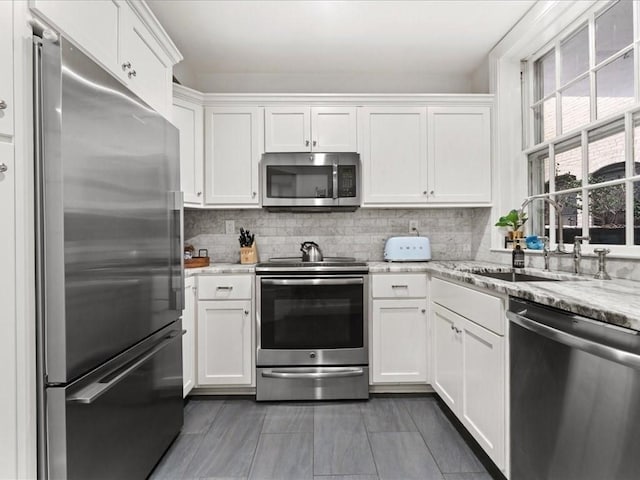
(469, 366)
(399, 329)
(224, 342)
(189, 338)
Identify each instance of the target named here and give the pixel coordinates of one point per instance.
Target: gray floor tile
(228, 447)
(283, 456)
(448, 448)
(199, 415)
(346, 477)
(403, 455)
(387, 415)
(288, 419)
(341, 445)
(175, 461)
(467, 476)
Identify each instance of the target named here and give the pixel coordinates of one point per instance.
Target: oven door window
(316, 316)
(300, 181)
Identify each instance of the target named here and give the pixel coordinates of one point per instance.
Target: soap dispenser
(517, 257)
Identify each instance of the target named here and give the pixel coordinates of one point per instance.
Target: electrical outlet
(229, 227)
(413, 226)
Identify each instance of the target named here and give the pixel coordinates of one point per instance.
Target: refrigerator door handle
(95, 390)
(177, 280)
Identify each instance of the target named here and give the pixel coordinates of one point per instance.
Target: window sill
(632, 254)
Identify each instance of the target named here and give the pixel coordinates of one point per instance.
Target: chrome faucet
(545, 252)
(560, 248)
(577, 252)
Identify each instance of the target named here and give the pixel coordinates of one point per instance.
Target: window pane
(568, 171)
(545, 75)
(636, 143)
(574, 56)
(614, 30)
(544, 118)
(614, 86)
(607, 215)
(571, 204)
(575, 105)
(636, 213)
(606, 153)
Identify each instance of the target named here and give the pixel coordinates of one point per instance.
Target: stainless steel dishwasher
(575, 396)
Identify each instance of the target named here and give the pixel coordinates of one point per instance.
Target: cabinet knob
(424, 193)
(132, 73)
(457, 330)
(246, 312)
(423, 310)
(199, 194)
(452, 327)
(431, 192)
(126, 65)
(315, 143)
(306, 143)
(3, 105)
(3, 168)
(253, 194)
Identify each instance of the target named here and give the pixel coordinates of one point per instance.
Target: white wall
(329, 83)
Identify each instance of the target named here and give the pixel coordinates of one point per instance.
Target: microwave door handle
(335, 180)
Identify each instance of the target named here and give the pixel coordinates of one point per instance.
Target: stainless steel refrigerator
(109, 259)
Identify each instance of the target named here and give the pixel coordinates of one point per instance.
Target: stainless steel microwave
(309, 180)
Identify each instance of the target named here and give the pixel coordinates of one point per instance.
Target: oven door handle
(342, 373)
(313, 281)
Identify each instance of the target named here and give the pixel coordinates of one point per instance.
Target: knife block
(249, 254)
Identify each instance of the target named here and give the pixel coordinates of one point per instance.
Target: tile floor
(384, 438)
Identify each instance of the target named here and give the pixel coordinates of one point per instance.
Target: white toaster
(407, 249)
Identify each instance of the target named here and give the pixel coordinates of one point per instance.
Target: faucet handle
(602, 270)
(579, 238)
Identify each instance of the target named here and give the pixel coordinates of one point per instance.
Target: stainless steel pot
(311, 252)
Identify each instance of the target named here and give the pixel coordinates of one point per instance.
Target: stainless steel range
(312, 329)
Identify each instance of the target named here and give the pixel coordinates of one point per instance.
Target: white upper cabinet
(146, 70)
(6, 59)
(394, 150)
(459, 152)
(233, 136)
(124, 37)
(310, 129)
(93, 25)
(188, 117)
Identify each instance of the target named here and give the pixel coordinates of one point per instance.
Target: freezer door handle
(95, 390)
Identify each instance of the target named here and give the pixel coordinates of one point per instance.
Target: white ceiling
(336, 37)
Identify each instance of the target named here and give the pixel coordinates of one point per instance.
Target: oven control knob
(312, 355)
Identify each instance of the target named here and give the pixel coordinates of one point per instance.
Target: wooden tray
(196, 262)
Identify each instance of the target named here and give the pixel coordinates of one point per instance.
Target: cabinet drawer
(483, 309)
(399, 286)
(224, 287)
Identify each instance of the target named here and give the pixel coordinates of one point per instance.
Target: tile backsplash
(360, 234)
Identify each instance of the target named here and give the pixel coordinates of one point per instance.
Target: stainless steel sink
(516, 277)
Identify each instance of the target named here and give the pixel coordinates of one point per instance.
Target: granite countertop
(613, 301)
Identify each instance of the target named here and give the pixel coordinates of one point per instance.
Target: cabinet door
(92, 24)
(333, 129)
(483, 392)
(399, 337)
(6, 59)
(189, 338)
(447, 355)
(188, 117)
(150, 73)
(287, 129)
(394, 155)
(232, 155)
(224, 342)
(459, 154)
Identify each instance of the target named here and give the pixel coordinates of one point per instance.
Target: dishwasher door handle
(574, 341)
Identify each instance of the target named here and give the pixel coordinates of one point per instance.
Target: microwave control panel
(346, 181)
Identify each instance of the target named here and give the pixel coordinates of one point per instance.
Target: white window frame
(529, 126)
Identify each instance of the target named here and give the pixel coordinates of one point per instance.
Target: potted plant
(514, 220)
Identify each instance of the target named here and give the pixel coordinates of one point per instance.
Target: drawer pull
(228, 289)
(399, 286)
